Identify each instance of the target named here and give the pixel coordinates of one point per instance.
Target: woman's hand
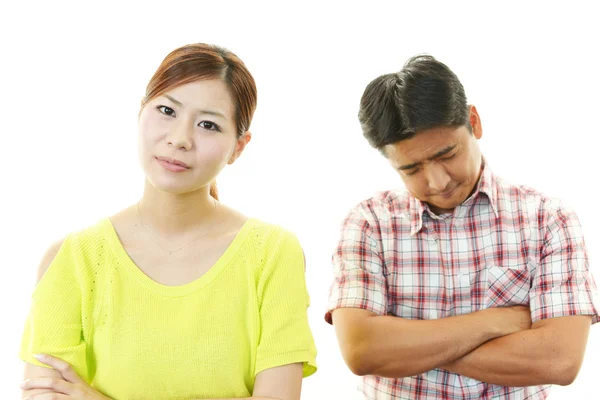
(69, 386)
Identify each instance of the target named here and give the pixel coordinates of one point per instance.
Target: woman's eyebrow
(210, 112)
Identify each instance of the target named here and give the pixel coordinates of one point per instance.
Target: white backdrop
(72, 76)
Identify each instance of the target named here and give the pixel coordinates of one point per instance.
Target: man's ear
(475, 122)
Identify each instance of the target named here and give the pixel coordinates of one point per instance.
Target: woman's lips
(172, 165)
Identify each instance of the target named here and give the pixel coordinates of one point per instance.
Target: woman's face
(187, 136)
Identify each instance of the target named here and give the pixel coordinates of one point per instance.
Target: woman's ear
(240, 145)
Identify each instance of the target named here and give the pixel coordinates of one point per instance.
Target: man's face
(440, 166)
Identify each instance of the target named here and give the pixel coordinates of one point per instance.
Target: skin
(441, 167)
(193, 124)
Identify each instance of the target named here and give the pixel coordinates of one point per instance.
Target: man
(463, 286)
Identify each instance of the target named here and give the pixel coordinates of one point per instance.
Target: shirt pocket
(507, 285)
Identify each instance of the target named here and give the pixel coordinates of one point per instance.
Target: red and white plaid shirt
(505, 245)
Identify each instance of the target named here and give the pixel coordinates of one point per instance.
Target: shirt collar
(487, 185)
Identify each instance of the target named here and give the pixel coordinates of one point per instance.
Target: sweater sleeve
(285, 336)
(54, 323)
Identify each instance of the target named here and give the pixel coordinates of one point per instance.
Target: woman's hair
(201, 61)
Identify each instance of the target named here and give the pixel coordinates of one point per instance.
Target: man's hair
(424, 94)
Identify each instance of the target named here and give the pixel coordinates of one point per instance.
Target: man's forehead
(424, 145)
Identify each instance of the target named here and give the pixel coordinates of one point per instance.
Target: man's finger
(61, 366)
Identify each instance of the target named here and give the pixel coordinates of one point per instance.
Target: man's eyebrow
(408, 166)
(436, 155)
(443, 152)
(210, 112)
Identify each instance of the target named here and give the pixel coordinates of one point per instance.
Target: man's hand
(551, 352)
(69, 386)
(509, 320)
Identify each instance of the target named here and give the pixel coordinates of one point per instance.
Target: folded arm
(279, 383)
(395, 347)
(551, 352)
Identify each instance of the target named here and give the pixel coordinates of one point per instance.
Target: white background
(72, 77)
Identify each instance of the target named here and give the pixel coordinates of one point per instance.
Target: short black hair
(424, 94)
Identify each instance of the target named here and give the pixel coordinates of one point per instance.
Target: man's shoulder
(513, 197)
(383, 205)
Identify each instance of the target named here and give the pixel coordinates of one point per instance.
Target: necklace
(151, 232)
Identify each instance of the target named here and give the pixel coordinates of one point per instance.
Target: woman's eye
(211, 126)
(166, 110)
(414, 171)
(449, 157)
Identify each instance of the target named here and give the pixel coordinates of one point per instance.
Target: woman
(177, 296)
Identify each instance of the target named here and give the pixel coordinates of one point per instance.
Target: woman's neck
(177, 215)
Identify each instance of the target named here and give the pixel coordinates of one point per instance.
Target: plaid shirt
(505, 245)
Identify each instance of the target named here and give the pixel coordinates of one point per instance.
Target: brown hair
(201, 61)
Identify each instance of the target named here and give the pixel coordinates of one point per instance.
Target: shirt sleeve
(358, 280)
(54, 323)
(563, 284)
(285, 336)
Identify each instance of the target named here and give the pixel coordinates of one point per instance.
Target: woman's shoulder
(274, 247)
(269, 232)
(48, 257)
(257, 231)
(76, 245)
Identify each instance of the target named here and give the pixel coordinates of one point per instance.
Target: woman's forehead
(210, 96)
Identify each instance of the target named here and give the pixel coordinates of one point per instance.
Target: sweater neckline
(124, 260)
